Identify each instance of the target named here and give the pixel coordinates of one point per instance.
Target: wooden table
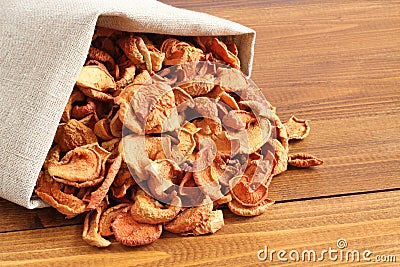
(336, 63)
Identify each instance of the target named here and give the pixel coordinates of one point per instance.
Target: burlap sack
(43, 46)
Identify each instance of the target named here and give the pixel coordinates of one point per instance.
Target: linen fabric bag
(43, 47)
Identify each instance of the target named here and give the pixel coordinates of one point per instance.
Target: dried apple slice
(50, 192)
(158, 147)
(148, 210)
(281, 158)
(136, 50)
(163, 174)
(79, 165)
(231, 80)
(247, 192)
(253, 137)
(100, 193)
(177, 52)
(154, 105)
(107, 218)
(297, 128)
(91, 233)
(198, 85)
(211, 225)
(303, 160)
(132, 233)
(74, 134)
(189, 219)
(76, 96)
(241, 210)
(95, 78)
(102, 56)
(182, 99)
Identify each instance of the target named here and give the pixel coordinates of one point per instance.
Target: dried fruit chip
(238, 119)
(211, 224)
(95, 78)
(136, 50)
(91, 233)
(158, 147)
(303, 160)
(207, 107)
(157, 58)
(79, 165)
(128, 75)
(187, 143)
(102, 130)
(219, 49)
(198, 85)
(102, 56)
(229, 101)
(205, 156)
(80, 112)
(107, 218)
(76, 96)
(112, 146)
(126, 95)
(260, 170)
(253, 137)
(100, 96)
(74, 134)
(281, 157)
(122, 182)
(148, 210)
(256, 107)
(139, 160)
(232, 168)
(232, 47)
(215, 93)
(208, 184)
(50, 192)
(190, 127)
(89, 120)
(189, 219)
(182, 99)
(241, 210)
(132, 123)
(154, 105)
(131, 233)
(211, 133)
(247, 192)
(52, 157)
(100, 193)
(297, 128)
(231, 80)
(164, 174)
(281, 132)
(177, 52)
(116, 126)
(223, 200)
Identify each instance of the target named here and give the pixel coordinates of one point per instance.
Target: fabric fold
(42, 50)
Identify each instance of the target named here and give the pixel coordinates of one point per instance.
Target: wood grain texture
(365, 221)
(17, 218)
(336, 63)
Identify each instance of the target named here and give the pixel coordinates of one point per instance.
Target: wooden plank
(351, 164)
(368, 221)
(17, 218)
